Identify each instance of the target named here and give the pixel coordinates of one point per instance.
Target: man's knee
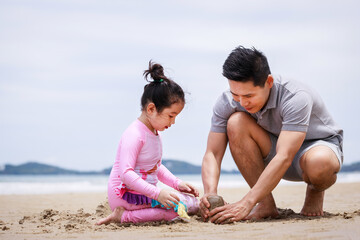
(319, 164)
(238, 124)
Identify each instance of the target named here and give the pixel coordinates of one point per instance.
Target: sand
(66, 216)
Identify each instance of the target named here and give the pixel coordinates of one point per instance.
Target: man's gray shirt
(292, 106)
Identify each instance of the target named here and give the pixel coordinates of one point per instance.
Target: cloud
(71, 71)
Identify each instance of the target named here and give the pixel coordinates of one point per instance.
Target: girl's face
(164, 120)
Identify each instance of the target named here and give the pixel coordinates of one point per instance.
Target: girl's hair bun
(162, 91)
(156, 72)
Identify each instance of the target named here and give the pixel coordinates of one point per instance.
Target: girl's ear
(150, 108)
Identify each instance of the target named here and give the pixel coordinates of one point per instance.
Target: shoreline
(54, 184)
(73, 215)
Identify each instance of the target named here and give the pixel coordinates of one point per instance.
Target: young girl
(137, 168)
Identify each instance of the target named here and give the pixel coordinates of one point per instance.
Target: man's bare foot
(263, 210)
(115, 216)
(313, 205)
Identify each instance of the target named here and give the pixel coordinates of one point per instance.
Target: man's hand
(188, 188)
(168, 198)
(211, 168)
(204, 206)
(231, 212)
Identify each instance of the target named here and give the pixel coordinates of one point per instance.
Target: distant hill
(175, 166)
(354, 167)
(34, 168)
(181, 167)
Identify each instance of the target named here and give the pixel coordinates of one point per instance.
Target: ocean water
(52, 184)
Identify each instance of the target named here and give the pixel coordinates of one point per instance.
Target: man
(276, 128)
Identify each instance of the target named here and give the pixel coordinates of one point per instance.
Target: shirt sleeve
(222, 111)
(296, 112)
(128, 152)
(166, 177)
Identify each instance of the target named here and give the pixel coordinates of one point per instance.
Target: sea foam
(52, 184)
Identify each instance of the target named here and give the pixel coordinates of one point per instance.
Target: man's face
(252, 98)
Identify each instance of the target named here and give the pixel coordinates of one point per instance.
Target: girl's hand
(168, 198)
(188, 188)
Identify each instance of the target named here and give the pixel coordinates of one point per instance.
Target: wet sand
(64, 216)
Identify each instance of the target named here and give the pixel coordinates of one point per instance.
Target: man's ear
(150, 108)
(270, 80)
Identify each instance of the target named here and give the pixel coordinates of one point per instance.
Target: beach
(73, 215)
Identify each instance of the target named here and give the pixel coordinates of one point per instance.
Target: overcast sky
(71, 71)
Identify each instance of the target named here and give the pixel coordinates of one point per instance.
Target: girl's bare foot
(313, 205)
(115, 216)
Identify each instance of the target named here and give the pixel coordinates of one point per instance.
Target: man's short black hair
(244, 64)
